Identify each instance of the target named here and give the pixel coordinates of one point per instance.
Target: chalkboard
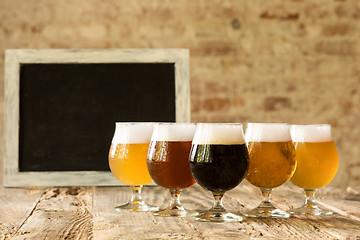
(61, 107)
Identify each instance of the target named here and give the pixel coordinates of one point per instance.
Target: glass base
(266, 210)
(136, 207)
(175, 212)
(214, 216)
(309, 210)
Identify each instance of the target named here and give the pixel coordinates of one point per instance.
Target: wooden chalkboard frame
(14, 58)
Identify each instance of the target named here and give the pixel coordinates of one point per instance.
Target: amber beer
(271, 163)
(316, 155)
(168, 163)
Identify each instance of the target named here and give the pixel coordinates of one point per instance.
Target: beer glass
(317, 163)
(218, 162)
(127, 160)
(168, 163)
(271, 163)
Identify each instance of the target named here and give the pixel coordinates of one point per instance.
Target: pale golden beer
(317, 163)
(128, 163)
(271, 163)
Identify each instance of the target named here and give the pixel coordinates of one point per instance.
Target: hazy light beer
(168, 163)
(127, 158)
(316, 155)
(271, 163)
(218, 162)
(127, 161)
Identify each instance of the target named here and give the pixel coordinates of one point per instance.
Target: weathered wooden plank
(242, 198)
(237, 230)
(302, 227)
(16, 204)
(109, 224)
(341, 224)
(61, 213)
(88, 212)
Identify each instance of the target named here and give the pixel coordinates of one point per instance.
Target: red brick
(282, 15)
(216, 87)
(216, 104)
(336, 29)
(336, 48)
(195, 105)
(276, 103)
(216, 48)
(239, 101)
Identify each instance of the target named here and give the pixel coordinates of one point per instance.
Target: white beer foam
(311, 133)
(267, 132)
(132, 132)
(173, 132)
(221, 134)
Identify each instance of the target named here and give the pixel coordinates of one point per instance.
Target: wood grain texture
(109, 224)
(88, 213)
(61, 213)
(16, 205)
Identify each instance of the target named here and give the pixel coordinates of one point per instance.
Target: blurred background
(292, 61)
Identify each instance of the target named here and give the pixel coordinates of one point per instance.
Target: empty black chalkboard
(68, 110)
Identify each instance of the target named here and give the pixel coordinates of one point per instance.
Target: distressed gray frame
(13, 58)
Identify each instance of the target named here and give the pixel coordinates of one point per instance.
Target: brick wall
(251, 61)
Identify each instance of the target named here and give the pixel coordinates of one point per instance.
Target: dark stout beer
(218, 162)
(219, 168)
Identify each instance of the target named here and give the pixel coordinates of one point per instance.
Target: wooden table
(88, 213)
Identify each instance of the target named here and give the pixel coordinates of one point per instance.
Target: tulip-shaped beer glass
(127, 160)
(317, 163)
(271, 163)
(218, 162)
(168, 163)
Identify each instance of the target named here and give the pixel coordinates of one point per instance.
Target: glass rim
(273, 124)
(173, 123)
(311, 125)
(234, 124)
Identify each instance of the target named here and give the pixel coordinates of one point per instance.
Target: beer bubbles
(272, 163)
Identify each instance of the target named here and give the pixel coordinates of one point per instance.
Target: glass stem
(266, 192)
(310, 198)
(218, 205)
(175, 199)
(136, 194)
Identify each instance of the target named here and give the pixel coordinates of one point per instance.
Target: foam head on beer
(137, 132)
(311, 133)
(173, 132)
(217, 133)
(267, 132)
